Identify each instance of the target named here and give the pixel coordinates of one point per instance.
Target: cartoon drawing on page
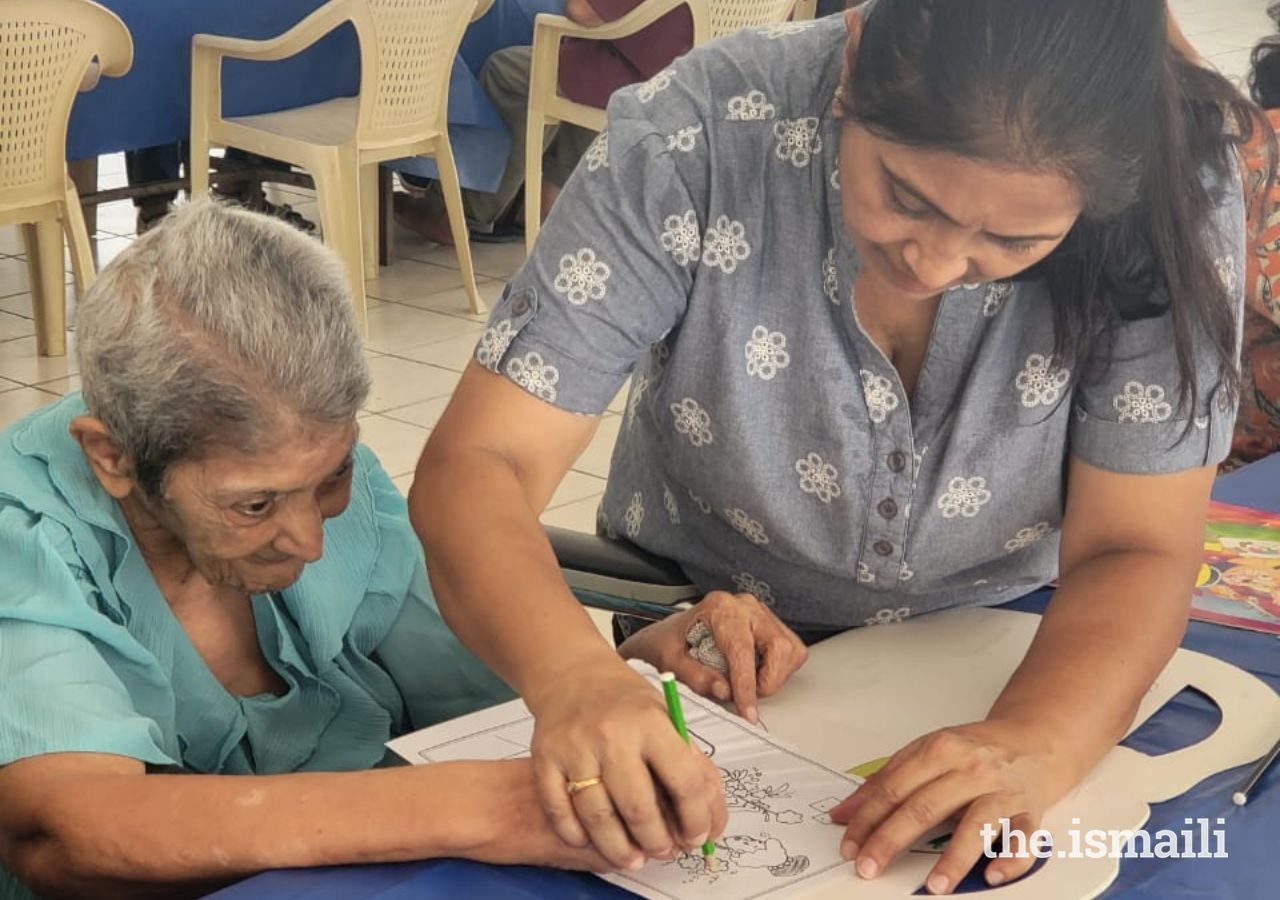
(744, 790)
(738, 852)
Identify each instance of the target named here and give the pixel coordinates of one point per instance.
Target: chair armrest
(295, 40)
(92, 76)
(553, 27)
(619, 569)
(482, 7)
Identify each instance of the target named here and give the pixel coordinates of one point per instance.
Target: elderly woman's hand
(977, 774)
(760, 651)
(518, 832)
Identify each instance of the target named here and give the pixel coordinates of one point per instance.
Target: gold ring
(575, 786)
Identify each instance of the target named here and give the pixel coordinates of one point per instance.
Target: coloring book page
(779, 841)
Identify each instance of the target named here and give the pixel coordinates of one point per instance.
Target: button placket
(891, 478)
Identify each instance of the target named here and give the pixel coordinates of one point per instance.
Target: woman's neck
(164, 552)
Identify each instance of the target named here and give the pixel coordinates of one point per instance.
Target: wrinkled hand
(761, 651)
(517, 831)
(979, 774)
(657, 795)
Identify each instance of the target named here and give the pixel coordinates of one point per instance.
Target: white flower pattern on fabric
(597, 155)
(746, 526)
(1226, 266)
(997, 294)
(635, 515)
(964, 497)
(1027, 537)
(700, 503)
(535, 376)
(680, 237)
(684, 140)
(880, 395)
(746, 583)
(693, 421)
(798, 141)
(889, 616)
(767, 353)
(753, 106)
(835, 179)
(494, 343)
(582, 277)
(1041, 381)
(865, 575)
(784, 29)
(638, 388)
(905, 574)
(1201, 422)
(818, 478)
(655, 85)
(725, 245)
(669, 501)
(831, 277)
(1142, 404)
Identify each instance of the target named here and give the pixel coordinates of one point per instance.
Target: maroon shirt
(590, 71)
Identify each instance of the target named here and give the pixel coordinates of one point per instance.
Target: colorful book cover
(1239, 583)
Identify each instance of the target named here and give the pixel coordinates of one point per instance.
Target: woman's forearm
(1109, 630)
(136, 835)
(494, 573)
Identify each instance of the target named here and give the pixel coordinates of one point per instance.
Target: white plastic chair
(407, 49)
(48, 50)
(711, 19)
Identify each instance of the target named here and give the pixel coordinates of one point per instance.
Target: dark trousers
(165, 163)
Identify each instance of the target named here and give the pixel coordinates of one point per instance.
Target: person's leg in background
(249, 193)
(152, 164)
(570, 145)
(505, 78)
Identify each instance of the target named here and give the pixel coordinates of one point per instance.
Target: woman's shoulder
(784, 71)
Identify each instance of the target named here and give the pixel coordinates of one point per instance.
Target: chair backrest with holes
(728, 16)
(407, 49)
(46, 48)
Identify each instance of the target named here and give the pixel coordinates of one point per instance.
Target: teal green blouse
(92, 659)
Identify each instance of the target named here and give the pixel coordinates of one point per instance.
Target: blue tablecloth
(1252, 832)
(151, 105)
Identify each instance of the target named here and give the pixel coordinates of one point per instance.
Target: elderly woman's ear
(109, 464)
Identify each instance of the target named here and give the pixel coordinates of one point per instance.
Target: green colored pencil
(676, 712)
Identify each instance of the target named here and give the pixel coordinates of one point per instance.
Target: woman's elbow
(49, 867)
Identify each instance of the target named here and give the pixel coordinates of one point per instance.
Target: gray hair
(212, 329)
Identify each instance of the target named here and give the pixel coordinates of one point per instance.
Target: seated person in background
(590, 71)
(1257, 432)
(205, 575)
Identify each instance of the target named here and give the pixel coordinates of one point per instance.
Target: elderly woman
(205, 575)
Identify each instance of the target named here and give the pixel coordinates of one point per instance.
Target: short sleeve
(57, 692)
(613, 266)
(1128, 417)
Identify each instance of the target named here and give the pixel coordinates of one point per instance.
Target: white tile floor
(421, 335)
